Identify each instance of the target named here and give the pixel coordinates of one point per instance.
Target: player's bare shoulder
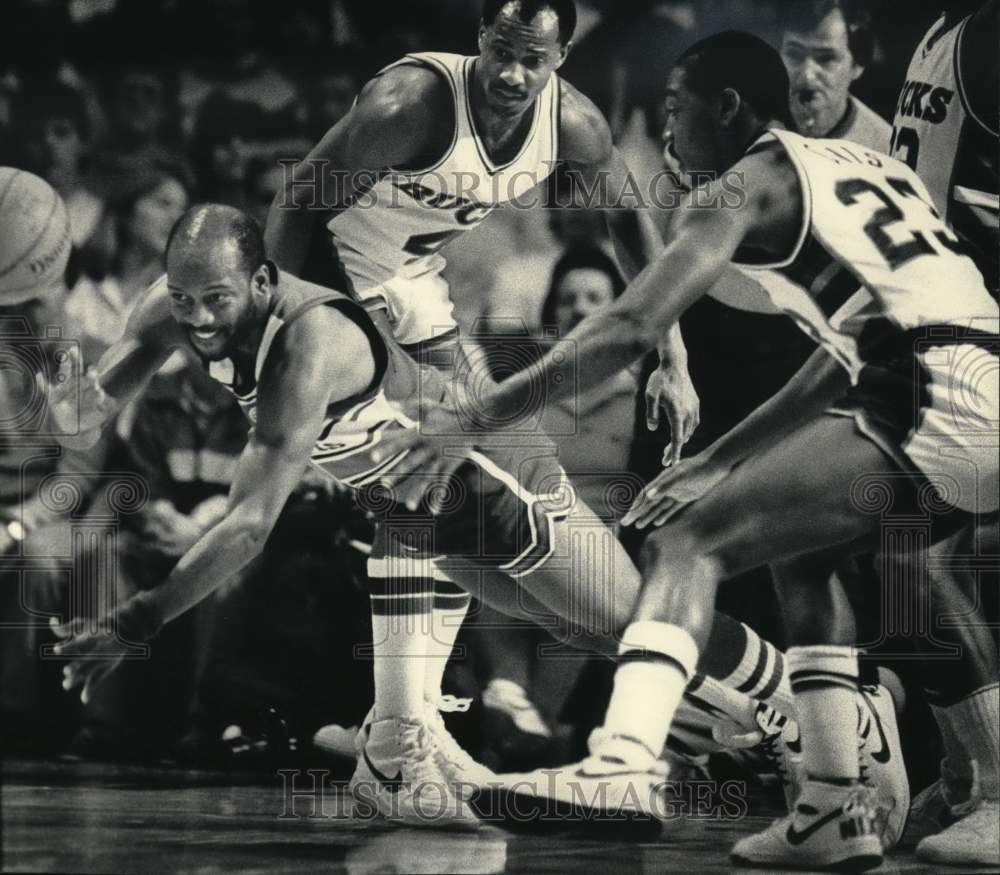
(584, 135)
(324, 348)
(409, 108)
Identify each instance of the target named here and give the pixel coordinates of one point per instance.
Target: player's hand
(77, 403)
(96, 647)
(674, 488)
(669, 389)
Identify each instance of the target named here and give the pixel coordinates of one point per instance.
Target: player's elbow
(253, 530)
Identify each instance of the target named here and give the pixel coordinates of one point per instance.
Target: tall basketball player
(888, 397)
(946, 128)
(433, 145)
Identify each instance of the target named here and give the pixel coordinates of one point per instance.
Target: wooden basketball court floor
(74, 817)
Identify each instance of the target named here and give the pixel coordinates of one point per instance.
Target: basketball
(35, 240)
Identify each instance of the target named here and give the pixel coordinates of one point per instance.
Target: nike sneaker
(775, 738)
(880, 756)
(972, 840)
(398, 778)
(831, 827)
(455, 763)
(619, 790)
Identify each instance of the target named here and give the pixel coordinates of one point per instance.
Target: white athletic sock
(451, 603)
(824, 679)
(402, 605)
(976, 720)
(762, 674)
(656, 660)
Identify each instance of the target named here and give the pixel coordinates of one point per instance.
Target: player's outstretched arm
(600, 168)
(819, 382)
(82, 401)
(316, 360)
(386, 127)
(701, 243)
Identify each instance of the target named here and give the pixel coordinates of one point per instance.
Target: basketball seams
(19, 259)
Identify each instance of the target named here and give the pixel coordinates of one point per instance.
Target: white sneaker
(620, 787)
(397, 777)
(831, 827)
(881, 762)
(931, 812)
(776, 738)
(973, 840)
(455, 763)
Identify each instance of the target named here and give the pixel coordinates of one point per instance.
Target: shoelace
(861, 803)
(417, 745)
(449, 704)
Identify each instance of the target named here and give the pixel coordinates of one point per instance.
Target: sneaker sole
(527, 814)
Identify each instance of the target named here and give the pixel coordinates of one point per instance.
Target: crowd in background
(135, 109)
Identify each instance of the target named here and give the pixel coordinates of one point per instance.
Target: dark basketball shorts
(929, 399)
(500, 511)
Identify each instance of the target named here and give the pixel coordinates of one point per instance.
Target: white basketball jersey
(397, 227)
(873, 255)
(952, 150)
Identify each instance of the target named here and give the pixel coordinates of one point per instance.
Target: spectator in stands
(52, 135)
(139, 218)
(141, 102)
(593, 432)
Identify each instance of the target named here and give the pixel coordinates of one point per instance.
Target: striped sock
(451, 604)
(761, 672)
(714, 698)
(975, 722)
(824, 679)
(402, 607)
(656, 660)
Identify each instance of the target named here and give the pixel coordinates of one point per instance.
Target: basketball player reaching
(890, 396)
(432, 146)
(946, 129)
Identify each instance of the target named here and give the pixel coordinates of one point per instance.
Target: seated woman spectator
(138, 223)
(51, 135)
(593, 433)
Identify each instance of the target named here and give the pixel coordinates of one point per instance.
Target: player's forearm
(634, 238)
(599, 347)
(818, 383)
(609, 341)
(219, 554)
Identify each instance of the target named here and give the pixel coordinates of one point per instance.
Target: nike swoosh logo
(884, 754)
(390, 785)
(797, 837)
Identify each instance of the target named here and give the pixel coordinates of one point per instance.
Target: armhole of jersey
(356, 313)
(437, 67)
(962, 96)
(806, 208)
